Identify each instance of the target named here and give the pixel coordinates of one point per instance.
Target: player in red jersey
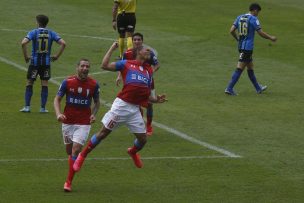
(78, 115)
(138, 39)
(125, 109)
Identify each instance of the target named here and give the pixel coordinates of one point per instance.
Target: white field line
(111, 158)
(70, 35)
(95, 73)
(79, 36)
(162, 126)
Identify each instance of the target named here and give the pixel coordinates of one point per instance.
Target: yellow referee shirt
(127, 6)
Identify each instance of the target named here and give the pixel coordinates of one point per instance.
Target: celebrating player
(40, 60)
(125, 108)
(246, 25)
(78, 116)
(138, 39)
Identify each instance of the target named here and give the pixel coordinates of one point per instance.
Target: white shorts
(122, 112)
(75, 133)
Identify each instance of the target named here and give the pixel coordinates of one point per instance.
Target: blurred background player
(78, 115)
(125, 108)
(40, 60)
(130, 54)
(246, 25)
(124, 20)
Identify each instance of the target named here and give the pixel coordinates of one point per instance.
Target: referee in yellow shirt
(124, 20)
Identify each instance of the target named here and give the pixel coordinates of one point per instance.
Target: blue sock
(94, 140)
(138, 145)
(253, 80)
(150, 110)
(235, 77)
(28, 95)
(44, 95)
(74, 158)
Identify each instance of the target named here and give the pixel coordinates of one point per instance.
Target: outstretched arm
(106, 65)
(266, 36)
(158, 99)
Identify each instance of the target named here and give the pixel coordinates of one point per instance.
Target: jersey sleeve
(120, 65)
(96, 92)
(154, 60)
(55, 36)
(256, 24)
(31, 35)
(62, 89)
(236, 22)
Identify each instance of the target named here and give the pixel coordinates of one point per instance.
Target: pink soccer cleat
(67, 187)
(136, 158)
(78, 163)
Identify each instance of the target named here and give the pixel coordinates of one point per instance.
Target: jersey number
(43, 43)
(243, 28)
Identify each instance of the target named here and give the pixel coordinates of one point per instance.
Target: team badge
(141, 68)
(79, 90)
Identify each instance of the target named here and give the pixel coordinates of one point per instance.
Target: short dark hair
(82, 59)
(255, 6)
(139, 35)
(42, 20)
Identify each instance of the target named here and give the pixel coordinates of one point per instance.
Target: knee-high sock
(28, 95)
(71, 172)
(149, 114)
(129, 43)
(90, 146)
(137, 146)
(44, 95)
(235, 77)
(121, 45)
(253, 80)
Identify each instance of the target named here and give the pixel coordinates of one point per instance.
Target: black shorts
(126, 23)
(245, 56)
(44, 72)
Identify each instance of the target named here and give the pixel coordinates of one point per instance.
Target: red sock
(149, 121)
(134, 150)
(87, 149)
(71, 171)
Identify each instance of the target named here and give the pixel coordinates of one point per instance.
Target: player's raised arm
(106, 65)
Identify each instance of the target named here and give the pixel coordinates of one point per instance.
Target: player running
(78, 115)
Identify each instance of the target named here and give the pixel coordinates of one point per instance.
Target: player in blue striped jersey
(40, 59)
(243, 30)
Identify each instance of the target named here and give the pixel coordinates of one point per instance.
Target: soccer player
(40, 60)
(78, 115)
(246, 26)
(124, 21)
(138, 39)
(125, 108)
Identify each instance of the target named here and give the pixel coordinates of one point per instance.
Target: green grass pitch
(197, 56)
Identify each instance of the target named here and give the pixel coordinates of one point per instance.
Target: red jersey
(79, 96)
(137, 82)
